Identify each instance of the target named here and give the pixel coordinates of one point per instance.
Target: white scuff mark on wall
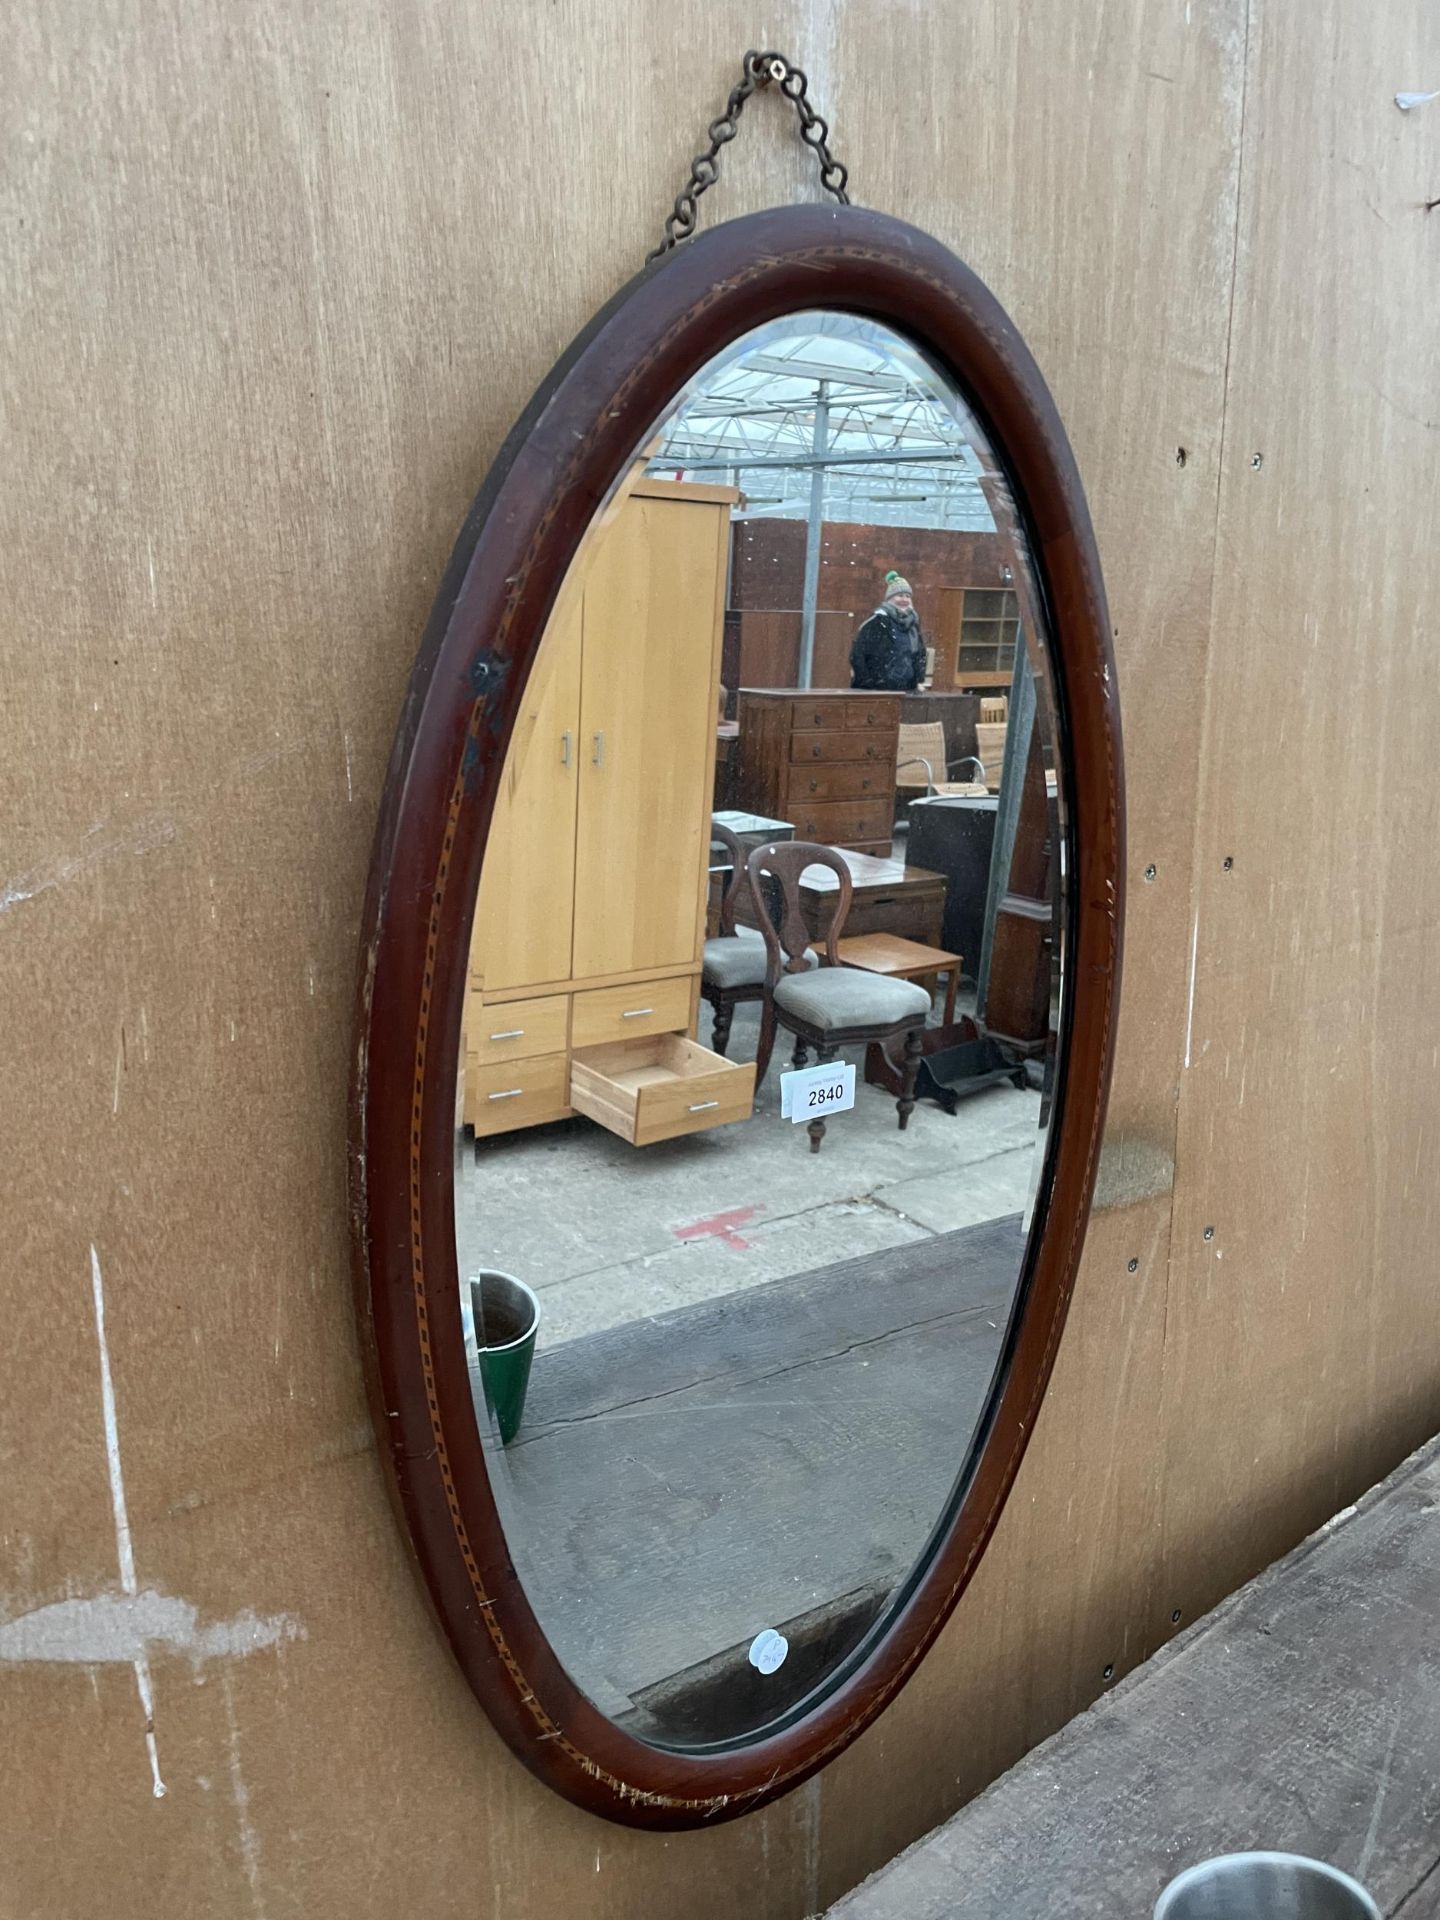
(240, 1794)
(1190, 1005)
(150, 560)
(349, 784)
(105, 1629)
(124, 1547)
(157, 831)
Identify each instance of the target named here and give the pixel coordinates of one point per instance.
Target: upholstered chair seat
(838, 997)
(739, 960)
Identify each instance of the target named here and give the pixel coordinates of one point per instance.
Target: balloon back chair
(733, 968)
(830, 1006)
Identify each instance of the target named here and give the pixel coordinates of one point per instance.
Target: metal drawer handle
(565, 748)
(510, 1033)
(510, 1094)
(637, 1013)
(703, 1106)
(598, 756)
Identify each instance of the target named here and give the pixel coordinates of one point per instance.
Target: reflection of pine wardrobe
(590, 920)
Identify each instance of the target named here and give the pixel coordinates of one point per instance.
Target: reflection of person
(889, 652)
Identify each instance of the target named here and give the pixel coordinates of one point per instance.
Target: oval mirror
(737, 1000)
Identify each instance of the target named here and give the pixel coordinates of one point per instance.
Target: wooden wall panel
(1300, 1360)
(768, 564)
(834, 637)
(273, 283)
(769, 652)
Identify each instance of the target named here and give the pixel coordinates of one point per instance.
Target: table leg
(951, 987)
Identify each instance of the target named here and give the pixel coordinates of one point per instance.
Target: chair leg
(800, 1055)
(767, 1042)
(905, 1105)
(816, 1128)
(720, 1033)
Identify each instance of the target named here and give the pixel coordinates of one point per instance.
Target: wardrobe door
(653, 612)
(524, 913)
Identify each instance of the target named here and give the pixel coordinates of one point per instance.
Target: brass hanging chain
(757, 70)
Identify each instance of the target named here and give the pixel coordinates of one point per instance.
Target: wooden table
(751, 830)
(903, 960)
(888, 897)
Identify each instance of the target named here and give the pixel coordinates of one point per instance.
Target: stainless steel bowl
(1265, 1886)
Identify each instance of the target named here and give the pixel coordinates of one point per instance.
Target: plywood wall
(273, 282)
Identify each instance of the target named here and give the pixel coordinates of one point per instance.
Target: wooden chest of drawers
(620, 1054)
(823, 760)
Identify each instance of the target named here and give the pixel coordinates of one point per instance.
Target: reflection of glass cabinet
(597, 863)
(976, 631)
(989, 628)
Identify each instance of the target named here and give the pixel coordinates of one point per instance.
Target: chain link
(757, 70)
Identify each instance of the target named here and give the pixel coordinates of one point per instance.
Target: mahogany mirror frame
(579, 432)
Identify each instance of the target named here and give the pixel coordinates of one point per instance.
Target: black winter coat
(887, 657)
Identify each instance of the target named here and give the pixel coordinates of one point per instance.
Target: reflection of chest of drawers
(824, 761)
(619, 1054)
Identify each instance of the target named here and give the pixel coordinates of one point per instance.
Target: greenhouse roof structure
(832, 406)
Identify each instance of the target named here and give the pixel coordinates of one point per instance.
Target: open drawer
(658, 1086)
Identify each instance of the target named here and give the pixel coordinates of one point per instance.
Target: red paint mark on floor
(721, 1226)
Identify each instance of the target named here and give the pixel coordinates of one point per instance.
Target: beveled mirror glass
(736, 1010)
(758, 1350)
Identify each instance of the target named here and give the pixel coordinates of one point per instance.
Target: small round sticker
(768, 1650)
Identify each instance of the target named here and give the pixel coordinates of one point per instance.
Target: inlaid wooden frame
(553, 472)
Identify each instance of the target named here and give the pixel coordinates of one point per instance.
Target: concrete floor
(608, 1233)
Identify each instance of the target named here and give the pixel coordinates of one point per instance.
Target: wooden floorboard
(1303, 1714)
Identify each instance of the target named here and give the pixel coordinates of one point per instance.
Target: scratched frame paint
(551, 476)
